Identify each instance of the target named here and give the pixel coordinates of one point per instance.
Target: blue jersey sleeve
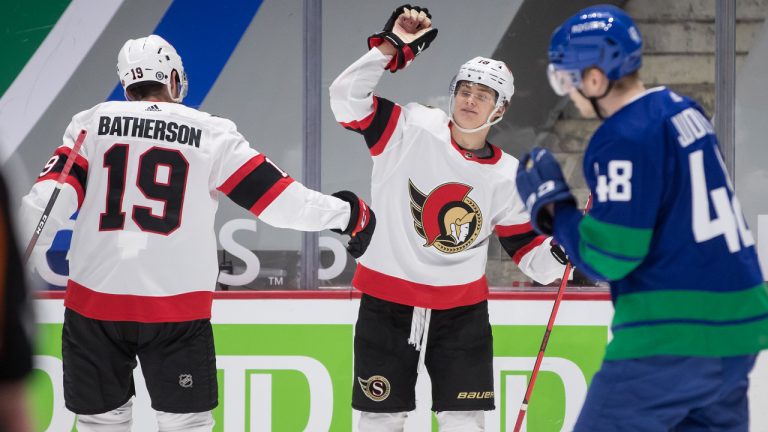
(624, 170)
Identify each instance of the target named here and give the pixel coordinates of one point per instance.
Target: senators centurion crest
(446, 217)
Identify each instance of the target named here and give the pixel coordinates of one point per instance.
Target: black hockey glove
(408, 42)
(362, 222)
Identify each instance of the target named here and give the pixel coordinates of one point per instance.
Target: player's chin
(468, 122)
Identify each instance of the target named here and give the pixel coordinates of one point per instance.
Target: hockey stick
(59, 184)
(545, 340)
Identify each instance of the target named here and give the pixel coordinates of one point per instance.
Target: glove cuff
(357, 219)
(387, 36)
(375, 40)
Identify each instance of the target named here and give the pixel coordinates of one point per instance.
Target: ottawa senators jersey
(147, 181)
(436, 204)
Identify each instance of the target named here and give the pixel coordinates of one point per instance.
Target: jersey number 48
(729, 220)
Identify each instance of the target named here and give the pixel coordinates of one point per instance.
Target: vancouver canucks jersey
(667, 230)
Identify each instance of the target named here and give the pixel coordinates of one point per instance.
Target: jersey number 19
(170, 191)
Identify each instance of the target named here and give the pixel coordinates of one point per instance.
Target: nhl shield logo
(185, 380)
(447, 218)
(375, 387)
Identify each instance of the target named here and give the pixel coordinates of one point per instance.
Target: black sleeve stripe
(77, 172)
(255, 184)
(513, 243)
(378, 126)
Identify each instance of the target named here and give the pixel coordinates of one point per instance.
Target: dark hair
(627, 80)
(146, 89)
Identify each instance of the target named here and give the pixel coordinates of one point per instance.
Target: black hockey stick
(545, 340)
(59, 184)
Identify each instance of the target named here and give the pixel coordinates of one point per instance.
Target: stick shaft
(59, 184)
(545, 340)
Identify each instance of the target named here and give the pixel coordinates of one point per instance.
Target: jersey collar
(471, 157)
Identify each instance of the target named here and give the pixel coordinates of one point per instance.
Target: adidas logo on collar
(153, 108)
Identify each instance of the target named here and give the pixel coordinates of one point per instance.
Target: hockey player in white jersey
(143, 266)
(422, 278)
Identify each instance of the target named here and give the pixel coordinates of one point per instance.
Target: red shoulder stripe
(361, 125)
(79, 160)
(510, 230)
(270, 195)
(241, 173)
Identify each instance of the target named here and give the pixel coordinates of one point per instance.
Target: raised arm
(408, 32)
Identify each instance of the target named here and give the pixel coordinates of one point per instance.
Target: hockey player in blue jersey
(666, 230)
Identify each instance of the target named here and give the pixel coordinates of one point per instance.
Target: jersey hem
(397, 290)
(188, 306)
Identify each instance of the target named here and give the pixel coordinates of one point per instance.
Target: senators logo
(375, 387)
(446, 218)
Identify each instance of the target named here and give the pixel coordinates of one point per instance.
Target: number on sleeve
(49, 165)
(616, 186)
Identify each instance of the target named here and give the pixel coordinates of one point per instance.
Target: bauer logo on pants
(375, 387)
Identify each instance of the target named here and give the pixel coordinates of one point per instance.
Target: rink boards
(285, 362)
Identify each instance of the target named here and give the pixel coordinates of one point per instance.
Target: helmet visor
(563, 81)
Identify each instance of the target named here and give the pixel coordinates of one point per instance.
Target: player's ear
(500, 112)
(594, 79)
(174, 84)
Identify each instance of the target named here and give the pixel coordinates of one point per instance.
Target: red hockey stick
(59, 184)
(545, 340)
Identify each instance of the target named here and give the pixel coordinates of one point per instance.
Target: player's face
(474, 103)
(593, 84)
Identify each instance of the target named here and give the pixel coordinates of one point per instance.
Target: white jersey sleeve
(254, 182)
(357, 108)
(72, 190)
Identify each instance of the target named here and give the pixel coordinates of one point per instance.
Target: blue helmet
(601, 36)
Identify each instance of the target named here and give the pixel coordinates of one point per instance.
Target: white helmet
(150, 59)
(488, 72)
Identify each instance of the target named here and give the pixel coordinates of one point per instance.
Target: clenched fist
(406, 34)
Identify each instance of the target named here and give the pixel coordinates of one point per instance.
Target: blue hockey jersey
(667, 231)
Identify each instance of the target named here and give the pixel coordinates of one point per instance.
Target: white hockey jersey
(436, 204)
(147, 181)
